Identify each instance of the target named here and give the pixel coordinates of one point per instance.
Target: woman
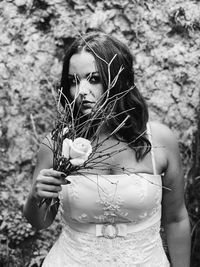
(112, 216)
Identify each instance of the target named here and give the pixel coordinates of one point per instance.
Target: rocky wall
(163, 36)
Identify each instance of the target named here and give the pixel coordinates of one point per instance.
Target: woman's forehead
(82, 63)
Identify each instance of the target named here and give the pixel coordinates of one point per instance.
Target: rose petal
(89, 151)
(82, 144)
(80, 148)
(75, 153)
(77, 161)
(66, 147)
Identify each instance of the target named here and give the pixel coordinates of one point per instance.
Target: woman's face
(85, 84)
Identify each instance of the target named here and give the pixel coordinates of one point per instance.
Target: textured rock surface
(164, 37)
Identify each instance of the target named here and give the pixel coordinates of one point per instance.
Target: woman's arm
(46, 184)
(175, 217)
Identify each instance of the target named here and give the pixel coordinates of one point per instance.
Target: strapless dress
(110, 220)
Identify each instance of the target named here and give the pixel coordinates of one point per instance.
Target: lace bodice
(134, 198)
(104, 199)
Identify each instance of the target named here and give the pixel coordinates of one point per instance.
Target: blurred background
(164, 37)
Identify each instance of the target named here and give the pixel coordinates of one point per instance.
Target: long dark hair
(105, 47)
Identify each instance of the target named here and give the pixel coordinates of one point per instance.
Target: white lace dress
(110, 220)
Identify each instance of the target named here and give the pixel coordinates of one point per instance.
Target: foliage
(21, 245)
(14, 233)
(15, 228)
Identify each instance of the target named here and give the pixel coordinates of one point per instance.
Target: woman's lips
(87, 104)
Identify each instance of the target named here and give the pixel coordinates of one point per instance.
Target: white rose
(66, 147)
(78, 150)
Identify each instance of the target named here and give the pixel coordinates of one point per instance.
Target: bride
(112, 215)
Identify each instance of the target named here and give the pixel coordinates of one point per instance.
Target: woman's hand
(48, 184)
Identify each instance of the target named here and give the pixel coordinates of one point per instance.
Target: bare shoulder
(163, 135)
(167, 153)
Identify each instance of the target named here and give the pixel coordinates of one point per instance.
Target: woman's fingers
(49, 188)
(48, 183)
(53, 173)
(51, 176)
(45, 190)
(49, 180)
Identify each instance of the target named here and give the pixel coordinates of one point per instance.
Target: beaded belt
(111, 231)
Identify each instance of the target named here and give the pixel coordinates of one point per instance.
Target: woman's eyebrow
(92, 73)
(89, 75)
(86, 75)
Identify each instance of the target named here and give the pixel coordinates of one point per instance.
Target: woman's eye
(94, 79)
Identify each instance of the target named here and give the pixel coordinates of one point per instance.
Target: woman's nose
(84, 87)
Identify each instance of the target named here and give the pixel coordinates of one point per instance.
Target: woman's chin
(86, 111)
